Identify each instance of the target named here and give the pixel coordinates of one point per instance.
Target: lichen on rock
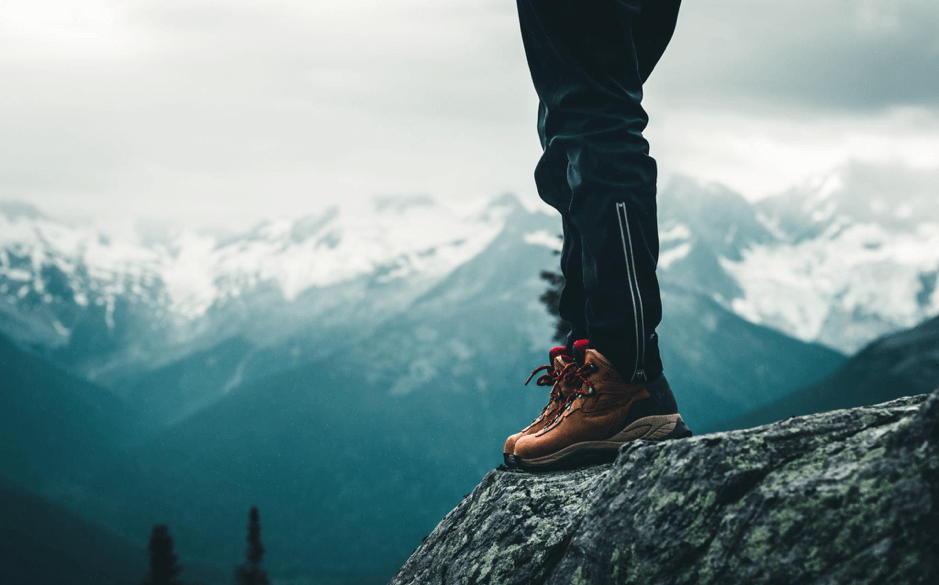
(849, 496)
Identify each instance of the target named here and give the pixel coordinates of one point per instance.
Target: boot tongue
(580, 350)
(556, 352)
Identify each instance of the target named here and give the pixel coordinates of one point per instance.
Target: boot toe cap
(510, 444)
(526, 447)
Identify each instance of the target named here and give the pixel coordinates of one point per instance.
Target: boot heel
(681, 431)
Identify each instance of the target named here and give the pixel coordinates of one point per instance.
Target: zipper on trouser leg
(632, 281)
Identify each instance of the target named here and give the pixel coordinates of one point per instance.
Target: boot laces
(551, 378)
(572, 375)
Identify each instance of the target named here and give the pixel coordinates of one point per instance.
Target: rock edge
(848, 496)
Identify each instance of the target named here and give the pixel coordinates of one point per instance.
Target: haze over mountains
(361, 368)
(834, 261)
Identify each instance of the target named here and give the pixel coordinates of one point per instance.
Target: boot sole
(509, 460)
(650, 428)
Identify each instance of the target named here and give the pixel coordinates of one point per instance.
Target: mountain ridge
(906, 361)
(419, 405)
(109, 311)
(56, 431)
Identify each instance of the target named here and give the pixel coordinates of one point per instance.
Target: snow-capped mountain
(61, 286)
(264, 358)
(839, 260)
(104, 308)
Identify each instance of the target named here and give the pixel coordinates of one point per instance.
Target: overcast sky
(218, 112)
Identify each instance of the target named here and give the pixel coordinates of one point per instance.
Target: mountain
(362, 366)
(892, 366)
(393, 427)
(858, 257)
(848, 496)
(841, 260)
(388, 432)
(721, 366)
(57, 431)
(76, 297)
(42, 543)
(852, 194)
(289, 293)
(179, 389)
(110, 310)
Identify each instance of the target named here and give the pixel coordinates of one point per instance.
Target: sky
(222, 112)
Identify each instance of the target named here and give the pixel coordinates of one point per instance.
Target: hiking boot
(559, 377)
(599, 416)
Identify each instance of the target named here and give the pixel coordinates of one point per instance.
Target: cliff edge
(848, 496)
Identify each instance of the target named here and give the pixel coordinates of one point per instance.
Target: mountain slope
(905, 362)
(840, 260)
(42, 543)
(396, 424)
(720, 365)
(171, 392)
(388, 432)
(809, 263)
(857, 258)
(111, 310)
(56, 430)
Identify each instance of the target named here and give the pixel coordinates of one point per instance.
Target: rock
(849, 496)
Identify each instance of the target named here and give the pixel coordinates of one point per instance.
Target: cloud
(833, 54)
(761, 155)
(223, 110)
(297, 101)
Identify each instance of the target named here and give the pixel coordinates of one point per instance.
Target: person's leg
(585, 70)
(551, 180)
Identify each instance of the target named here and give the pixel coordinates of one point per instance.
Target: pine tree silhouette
(552, 297)
(163, 567)
(250, 572)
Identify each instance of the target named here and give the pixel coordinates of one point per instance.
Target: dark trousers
(588, 60)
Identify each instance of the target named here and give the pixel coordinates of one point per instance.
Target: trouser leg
(551, 180)
(585, 70)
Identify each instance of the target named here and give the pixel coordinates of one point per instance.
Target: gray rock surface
(849, 496)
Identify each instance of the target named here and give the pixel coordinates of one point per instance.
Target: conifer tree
(250, 572)
(163, 567)
(551, 298)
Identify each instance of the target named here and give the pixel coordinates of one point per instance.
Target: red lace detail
(549, 379)
(571, 374)
(544, 380)
(581, 346)
(556, 351)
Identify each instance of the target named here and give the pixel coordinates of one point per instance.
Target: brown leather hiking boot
(560, 377)
(598, 417)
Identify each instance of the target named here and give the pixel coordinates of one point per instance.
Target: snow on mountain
(842, 288)
(392, 240)
(858, 258)
(855, 193)
(841, 259)
(51, 272)
(139, 302)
